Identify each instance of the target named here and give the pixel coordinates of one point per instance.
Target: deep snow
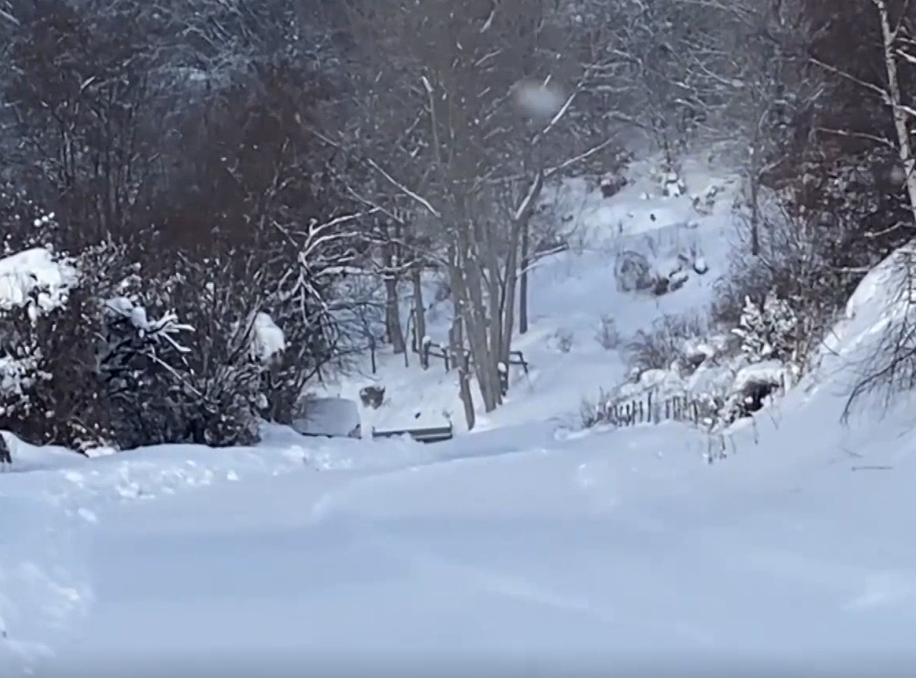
(526, 545)
(570, 293)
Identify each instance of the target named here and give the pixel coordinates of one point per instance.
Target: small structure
(329, 418)
(432, 434)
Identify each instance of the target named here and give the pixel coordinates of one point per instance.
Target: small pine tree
(768, 331)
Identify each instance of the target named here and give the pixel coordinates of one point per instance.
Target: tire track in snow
(43, 588)
(524, 590)
(330, 506)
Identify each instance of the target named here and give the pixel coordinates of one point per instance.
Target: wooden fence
(651, 408)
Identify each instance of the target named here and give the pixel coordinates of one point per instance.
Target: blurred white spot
(898, 175)
(538, 100)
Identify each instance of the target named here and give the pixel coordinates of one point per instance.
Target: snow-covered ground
(571, 293)
(526, 545)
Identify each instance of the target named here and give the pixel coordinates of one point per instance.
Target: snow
(538, 100)
(526, 544)
(159, 328)
(31, 270)
(268, 337)
(766, 372)
(571, 292)
(38, 279)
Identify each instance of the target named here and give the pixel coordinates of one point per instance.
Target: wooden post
(424, 355)
(464, 371)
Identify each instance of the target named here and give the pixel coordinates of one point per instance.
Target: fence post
(424, 355)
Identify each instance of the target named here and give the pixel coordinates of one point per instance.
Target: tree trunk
(393, 316)
(755, 210)
(475, 326)
(520, 253)
(496, 299)
(419, 309)
(372, 349)
(393, 328)
(905, 148)
(523, 283)
(460, 357)
(466, 282)
(753, 180)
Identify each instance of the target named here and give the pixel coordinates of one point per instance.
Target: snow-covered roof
(329, 417)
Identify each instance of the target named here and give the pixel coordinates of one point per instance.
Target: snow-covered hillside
(528, 543)
(573, 294)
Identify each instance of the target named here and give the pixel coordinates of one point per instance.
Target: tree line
(218, 162)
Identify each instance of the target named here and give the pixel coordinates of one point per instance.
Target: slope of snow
(523, 546)
(570, 293)
(600, 550)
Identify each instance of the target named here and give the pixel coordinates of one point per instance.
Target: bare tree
(887, 28)
(771, 85)
(88, 115)
(471, 164)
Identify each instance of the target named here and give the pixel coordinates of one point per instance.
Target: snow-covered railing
(650, 408)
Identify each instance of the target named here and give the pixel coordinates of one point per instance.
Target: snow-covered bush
(220, 408)
(563, 340)
(768, 330)
(142, 366)
(593, 413)
(608, 335)
(26, 224)
(268, 341)
(50, 390)
(673, 185)
(612, 183)
(751, 388)
(659, 262)
(316, 336)
(61, 327)
(633, 272)
(666, 344)
(794, 264)
(185, 360)
(93, 354)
